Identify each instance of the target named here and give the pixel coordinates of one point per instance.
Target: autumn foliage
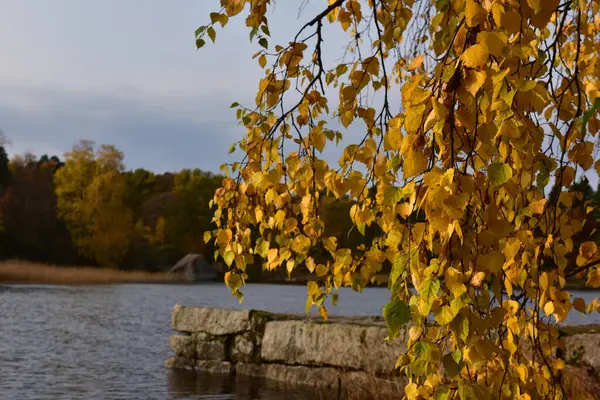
(477, 117)
(89, 210)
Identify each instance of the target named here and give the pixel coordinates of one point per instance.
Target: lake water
(110, 341)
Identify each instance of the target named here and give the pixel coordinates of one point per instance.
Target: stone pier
(345, 358)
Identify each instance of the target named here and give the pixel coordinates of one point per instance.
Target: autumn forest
(85, 208)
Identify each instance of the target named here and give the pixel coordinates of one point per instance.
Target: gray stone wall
(348, 357)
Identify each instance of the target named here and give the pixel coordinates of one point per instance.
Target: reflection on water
(185, 384)
(110, 342)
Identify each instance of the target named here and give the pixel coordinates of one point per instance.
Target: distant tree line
(87, 209)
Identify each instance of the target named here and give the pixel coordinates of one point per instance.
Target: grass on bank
(16, 271)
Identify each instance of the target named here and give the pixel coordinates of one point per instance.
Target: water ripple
(109, 342)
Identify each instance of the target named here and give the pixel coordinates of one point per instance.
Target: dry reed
(17, 271)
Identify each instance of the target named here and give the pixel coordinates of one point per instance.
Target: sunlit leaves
(396, 314)
(475, 56)
(474, 13)
(499, 173)
(90, 193)
(468, 140)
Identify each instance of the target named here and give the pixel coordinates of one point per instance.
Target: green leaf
(200, 43)
(589, 112)
(457, 355)
(264, 42)
(361, 228)
(199, 31)
(334, 299)
(308, 304)
(460, 325)
(450, 366)
(253, 33)
(442, 393)
(240, 296)
(499, 173)
(468, 391)
(229, 257)
(443, 5)
(396, 314)
(265, 30)
(212, 34)
(398, 267)
(542, 179)
(262, 247)
(429, 289)
(465, 391)
(420, 348)
(392, 195)
(234, 104)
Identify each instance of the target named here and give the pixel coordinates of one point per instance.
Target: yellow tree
(469, 109)
(90, 191)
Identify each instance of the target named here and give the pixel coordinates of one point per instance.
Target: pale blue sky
(126, 72)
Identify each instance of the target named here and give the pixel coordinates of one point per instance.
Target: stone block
(213, 321)
(321, 378)
(341, 345)
(215, 366)
(359, 385)
(208, 348)
(179, 363)
(183, 346)
(243, 348)
(583, 349)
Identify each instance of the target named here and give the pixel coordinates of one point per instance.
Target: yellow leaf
(511, 307)
(444, 315)
(416, 62)
(475, 56)
(474, 13)
(290, 266)
(544, 281)
(313, 289)
(535, 5)
(493, 41)
(322, 270)
(497, 13)
(453, 281)
(579, 305)
(262, 61)
(272, 255)
(537, 206)
(330, 243)
(474, 80)
(511, 21)
(588, 249)
(310, 264)
(223, 237)
(415, 163)
(323, 312)
(317, 138)
(393, 139)
(492, 261)
(549, 308)
(522, 371)
(510, 346)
